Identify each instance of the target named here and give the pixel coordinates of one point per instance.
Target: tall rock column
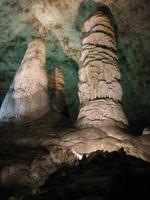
(27, 98)
(100, 92)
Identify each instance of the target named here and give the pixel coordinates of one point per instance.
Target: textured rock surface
(27, 98)
(43, 149)
(61, 22)
(100, 176)
(30, 153)
(56, 89)
(100, 92)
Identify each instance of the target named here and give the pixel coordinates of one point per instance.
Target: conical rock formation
(27, 98)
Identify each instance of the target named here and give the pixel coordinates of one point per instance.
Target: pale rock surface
(100, 92)
(27, 98)
(60, 22)
(146, 131)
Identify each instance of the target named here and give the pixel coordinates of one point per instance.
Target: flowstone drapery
(100, 92)
(27, 98)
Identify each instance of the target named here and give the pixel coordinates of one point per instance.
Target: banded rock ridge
(56, 89)
(100, 92)
(27, 98)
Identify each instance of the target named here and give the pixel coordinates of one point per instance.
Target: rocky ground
(101, 176)
(45, 160)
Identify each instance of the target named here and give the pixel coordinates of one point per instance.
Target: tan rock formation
(63, 18)
(56, 87)
(100, 92)
(27, 98)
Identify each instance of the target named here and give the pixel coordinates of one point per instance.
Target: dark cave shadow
(137, 112)
(102, 175)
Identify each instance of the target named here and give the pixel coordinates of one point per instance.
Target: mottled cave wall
(133, 50)
(60, 22)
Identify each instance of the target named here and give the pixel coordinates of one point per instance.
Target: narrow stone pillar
(100, 92)
(27, 98)
(56, 89)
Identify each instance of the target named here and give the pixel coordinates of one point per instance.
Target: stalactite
(27, 98)
(100, 92)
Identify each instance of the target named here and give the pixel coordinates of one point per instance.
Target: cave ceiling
(60, 23)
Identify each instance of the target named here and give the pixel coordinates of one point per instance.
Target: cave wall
(60, 22)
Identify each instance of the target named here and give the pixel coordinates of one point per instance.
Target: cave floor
(11, 151)
(101, 176)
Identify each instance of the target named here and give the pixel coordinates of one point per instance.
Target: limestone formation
(63, 18)
(27, 98)
(56, 87)
(45, 146)
(100, 92)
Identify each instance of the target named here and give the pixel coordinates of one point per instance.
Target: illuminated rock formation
(27, 98)
(100, 92)
(62, 21)
(56, 87)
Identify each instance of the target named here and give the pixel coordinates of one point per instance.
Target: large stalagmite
(100, 92)
(27, 98)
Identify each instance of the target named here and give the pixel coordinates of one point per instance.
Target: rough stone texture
(27, 98)
(102, 175)
(56, 89)
(61, 22)
(30, 153)
(100, 92)
(99, 176)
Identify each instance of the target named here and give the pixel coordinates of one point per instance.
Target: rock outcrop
(100, 92)
(27, 98)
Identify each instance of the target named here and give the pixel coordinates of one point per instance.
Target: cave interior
(74, 99)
